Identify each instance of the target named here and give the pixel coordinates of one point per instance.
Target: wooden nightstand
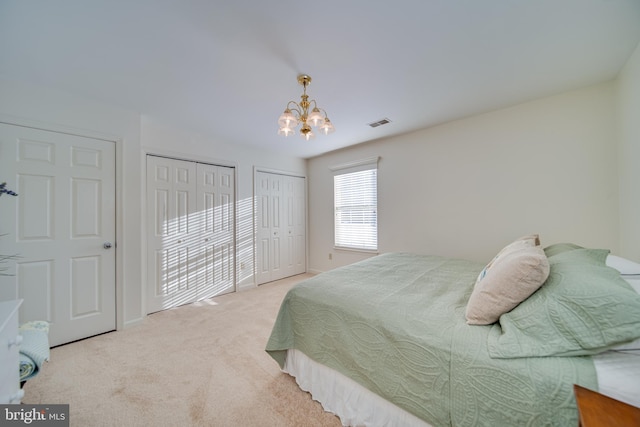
(598, 410)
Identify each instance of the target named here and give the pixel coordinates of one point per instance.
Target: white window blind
(356, 206)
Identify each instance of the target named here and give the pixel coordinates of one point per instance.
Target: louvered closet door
(190, 232)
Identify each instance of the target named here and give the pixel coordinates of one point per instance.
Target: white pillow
(634, 281)
(623, 265)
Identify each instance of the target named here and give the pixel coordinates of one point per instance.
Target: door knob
(107, 245)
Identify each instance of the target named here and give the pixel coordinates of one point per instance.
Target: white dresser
(10, 340)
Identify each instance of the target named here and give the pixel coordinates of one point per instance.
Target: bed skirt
(355, 405)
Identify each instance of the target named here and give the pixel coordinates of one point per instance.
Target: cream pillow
(511, 277)
(534, 237)
(524, 241)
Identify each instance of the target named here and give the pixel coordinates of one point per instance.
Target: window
(355, 188)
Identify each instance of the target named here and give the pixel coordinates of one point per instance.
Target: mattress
(619, 375)
(619, 371)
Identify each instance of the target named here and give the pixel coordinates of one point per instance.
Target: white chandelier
(288, 120)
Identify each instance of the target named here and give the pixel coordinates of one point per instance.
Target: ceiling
(226, 69)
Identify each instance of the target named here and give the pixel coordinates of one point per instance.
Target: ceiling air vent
(380, 123)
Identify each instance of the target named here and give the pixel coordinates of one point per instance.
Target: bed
(389, 340)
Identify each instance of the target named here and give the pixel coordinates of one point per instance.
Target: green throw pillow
(560, 248)
(583, 308)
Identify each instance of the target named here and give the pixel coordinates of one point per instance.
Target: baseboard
(134, 322)
(245, 286)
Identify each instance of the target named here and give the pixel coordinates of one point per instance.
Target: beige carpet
(202, 364)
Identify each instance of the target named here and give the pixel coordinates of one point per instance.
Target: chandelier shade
(298, 113)
(287, 120)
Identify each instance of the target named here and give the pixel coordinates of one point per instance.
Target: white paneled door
(190, 231)
(61, 227)
(281, 226)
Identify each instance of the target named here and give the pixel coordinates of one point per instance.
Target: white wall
(628, 96)
(466, 188)
(460, 189)
(159, 138)
(55, 110)
(136, 135)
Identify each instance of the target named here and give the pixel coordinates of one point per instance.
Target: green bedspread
(395, 324)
